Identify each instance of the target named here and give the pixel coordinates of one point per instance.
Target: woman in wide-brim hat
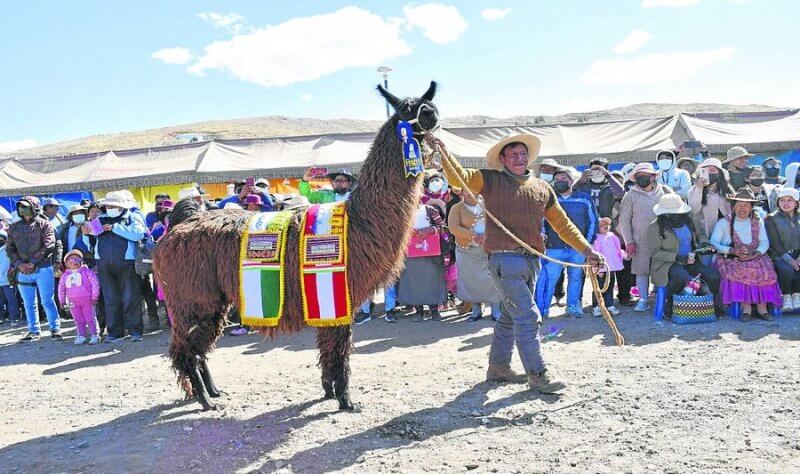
(673, 238)
(748, 275)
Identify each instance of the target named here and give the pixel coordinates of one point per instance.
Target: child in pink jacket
(607, 244)
(79, 290)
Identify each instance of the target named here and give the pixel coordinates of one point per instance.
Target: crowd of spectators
(734, 224)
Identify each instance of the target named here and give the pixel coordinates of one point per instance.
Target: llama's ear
(428, 95)
(391, 99)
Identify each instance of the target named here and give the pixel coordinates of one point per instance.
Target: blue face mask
(113, 213)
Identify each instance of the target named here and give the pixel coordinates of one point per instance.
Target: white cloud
(306, 97)
(439, 23)
(306, 48)
(229, 21)
(494, 14)
(668, 3)
(653, 68)
(633, 42)
(15, 145)
(173, 55)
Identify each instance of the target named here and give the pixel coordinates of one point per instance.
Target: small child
(607, 244)
(80, 287)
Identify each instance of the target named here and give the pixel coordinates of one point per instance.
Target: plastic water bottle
(693, 286)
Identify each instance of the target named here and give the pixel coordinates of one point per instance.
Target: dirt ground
(719, 397)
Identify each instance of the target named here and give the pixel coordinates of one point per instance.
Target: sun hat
(188, 193)
(711, 162)
(643, 167)
(342, 172)
(76, 208)
(262, 181)
(546, 162)
(73, 252)
(531, 142)
(117, 199)
(783, 191)
(737, 152)
(253, 199)
(50, 202)
(671, 204)
(295, 200)
(743, 195)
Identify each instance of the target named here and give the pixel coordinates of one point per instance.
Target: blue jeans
(515, 275)
(44, 280)
(9, 301)
(389, 299)
(551, 272)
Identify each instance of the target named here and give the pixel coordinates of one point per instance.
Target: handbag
(428, 246)
(144, 256)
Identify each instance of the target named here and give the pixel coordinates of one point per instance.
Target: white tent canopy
(280, 157)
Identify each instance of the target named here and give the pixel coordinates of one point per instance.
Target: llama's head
(419, 112)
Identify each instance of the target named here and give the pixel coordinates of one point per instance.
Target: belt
(517, 251)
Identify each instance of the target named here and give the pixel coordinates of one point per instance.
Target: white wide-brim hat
(117, 199)
(711, 162)
(671, 204)
(531, 142)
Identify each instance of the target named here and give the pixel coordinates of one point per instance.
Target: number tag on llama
(412, 157)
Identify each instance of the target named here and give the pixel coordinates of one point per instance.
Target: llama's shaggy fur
(196, 263)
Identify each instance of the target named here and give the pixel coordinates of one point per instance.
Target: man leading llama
(521, 202)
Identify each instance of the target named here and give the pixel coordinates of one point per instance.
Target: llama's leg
(324, 346)
(335, 345)
(193, 336)
(213, 391)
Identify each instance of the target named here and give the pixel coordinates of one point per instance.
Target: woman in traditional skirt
(748, 275)
(467, 222)
(422, 281)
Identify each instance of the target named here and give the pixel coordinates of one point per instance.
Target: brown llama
(196, 263)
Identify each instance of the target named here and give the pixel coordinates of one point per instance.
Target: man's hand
(479, 238)
(630, 249)
(308, 175)
(86, 229)
(248, 190)
(585, 175)
(796, 264)
(594, 259)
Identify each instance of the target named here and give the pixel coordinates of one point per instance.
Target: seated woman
(783, 230)
(748, 276)
(673, 238)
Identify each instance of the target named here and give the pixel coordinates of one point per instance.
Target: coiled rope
(589, 269)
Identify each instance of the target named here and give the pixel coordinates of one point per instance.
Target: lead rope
(598, 291)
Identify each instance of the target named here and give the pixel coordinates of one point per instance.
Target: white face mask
(546, 177)
(78, 218)
(112, 213)
(435, 185)
(664, 165)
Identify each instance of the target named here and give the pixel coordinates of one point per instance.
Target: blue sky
(72, 69)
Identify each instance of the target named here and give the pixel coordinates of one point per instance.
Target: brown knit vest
(520, 206)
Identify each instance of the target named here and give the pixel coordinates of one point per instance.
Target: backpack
(144, 256)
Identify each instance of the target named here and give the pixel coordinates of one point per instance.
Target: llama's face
(420, 112)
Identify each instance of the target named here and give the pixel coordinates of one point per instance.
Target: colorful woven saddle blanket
(323, 267)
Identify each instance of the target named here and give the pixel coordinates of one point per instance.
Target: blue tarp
(66, 200)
